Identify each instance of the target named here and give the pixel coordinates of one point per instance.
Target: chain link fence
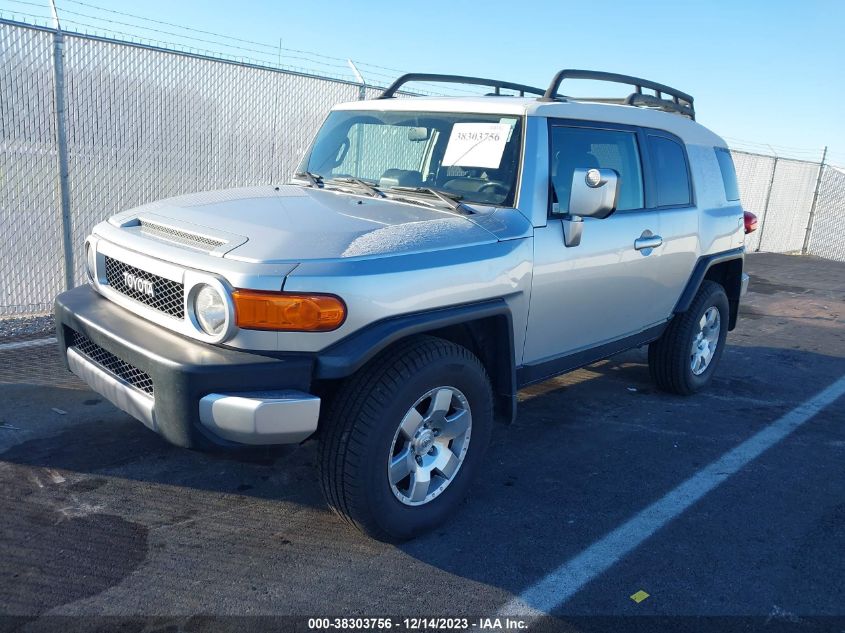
(31, 260)
(827, 238)
(142, 123)
(780, 192)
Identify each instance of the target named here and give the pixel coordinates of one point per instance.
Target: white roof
(688, 130)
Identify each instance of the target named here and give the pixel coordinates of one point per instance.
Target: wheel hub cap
(429, 446)
(423, 442)
(706, 341)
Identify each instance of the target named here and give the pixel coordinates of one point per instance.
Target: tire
(671, 357)
(362, 435)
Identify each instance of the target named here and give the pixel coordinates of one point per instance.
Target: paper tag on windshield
(476, 145)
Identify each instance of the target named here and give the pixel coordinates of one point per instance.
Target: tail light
(750, 222)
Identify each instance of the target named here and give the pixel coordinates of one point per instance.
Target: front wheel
(684, 358)
(404, 437)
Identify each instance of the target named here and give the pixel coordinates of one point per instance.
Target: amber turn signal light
(284, 311)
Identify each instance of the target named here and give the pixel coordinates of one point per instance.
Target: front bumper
(193, 394)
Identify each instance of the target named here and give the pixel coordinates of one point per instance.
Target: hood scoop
(184, 234)
(172, 234)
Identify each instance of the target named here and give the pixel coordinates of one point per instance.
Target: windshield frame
(520, 128)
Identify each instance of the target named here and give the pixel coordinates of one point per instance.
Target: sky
(767, 76)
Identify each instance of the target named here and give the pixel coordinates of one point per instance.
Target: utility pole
(809, 230)
(61, 142)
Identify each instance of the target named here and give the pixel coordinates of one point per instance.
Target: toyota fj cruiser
(430, 257)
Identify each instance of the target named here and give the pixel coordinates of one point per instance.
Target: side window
(726, 165)
(578, 147)
(670, 171)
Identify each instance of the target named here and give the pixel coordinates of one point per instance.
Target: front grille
(170, 234)
(89, 349)
(168, 296)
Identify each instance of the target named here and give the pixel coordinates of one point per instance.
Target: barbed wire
(775, 150)
(756, 151)
(223, 36)
(794, 147)
(272, 47)
(808, 154)
(278, 52)
(129, 38)
(836, 158)
(122, 37)
(272, 56)
(63, 12)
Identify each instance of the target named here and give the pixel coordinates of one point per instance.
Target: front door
(608, 287)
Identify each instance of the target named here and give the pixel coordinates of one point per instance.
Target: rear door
(607, 288)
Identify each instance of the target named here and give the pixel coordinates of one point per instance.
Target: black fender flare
(699, 273)
(348, 355)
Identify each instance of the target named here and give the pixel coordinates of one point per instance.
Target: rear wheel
(684, 359)
(404, 437)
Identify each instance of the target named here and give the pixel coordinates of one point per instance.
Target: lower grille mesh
(139, 379)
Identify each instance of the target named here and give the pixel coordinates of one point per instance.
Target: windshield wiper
(363, 184)
(314, 180)
(452, 200)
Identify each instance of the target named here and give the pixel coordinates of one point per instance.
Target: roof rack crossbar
(496, 84)
(678, 101)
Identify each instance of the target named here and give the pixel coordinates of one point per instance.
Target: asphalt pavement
(101, 522)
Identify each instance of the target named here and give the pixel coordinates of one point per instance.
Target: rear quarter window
(726, 165)
(671, 173)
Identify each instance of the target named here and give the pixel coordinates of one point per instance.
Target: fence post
(766, 207)
(809, 230)
(61, 139)
(362, 88)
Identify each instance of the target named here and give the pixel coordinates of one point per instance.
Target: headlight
(210, 310)
(90, 261)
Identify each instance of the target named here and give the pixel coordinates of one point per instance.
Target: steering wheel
(493, 187)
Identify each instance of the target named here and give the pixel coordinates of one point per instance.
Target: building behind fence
(90, 126)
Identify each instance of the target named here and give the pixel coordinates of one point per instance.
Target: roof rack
(680, 102)
(496, 84)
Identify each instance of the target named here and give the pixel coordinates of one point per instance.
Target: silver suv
(430, 257)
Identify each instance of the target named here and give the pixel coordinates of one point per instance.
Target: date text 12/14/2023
(417, 624)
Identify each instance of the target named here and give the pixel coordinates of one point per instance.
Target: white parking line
(565, 581)
(25, 344)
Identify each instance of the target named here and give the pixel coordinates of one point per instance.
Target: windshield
(473, 157)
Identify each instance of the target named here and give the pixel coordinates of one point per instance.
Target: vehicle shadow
(115, 445)
(53, 421)
(588, 450)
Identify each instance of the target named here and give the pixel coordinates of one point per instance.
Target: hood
(294, 224)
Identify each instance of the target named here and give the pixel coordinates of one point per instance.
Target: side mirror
(594, 193)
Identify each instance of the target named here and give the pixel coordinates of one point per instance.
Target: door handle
(647, 241)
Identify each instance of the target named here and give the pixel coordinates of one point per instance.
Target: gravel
(26, 328)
